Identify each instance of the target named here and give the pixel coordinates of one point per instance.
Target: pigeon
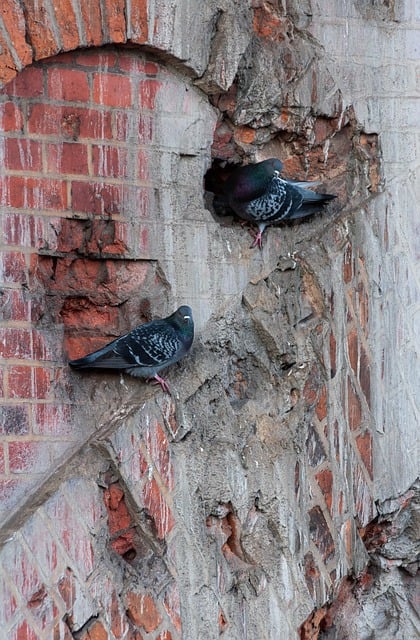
(147, 349)
(256, 193)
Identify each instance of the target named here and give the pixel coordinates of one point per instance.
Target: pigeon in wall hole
(147, 349)
(256, 193)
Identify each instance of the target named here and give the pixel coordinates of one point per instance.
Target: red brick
(29, 382)
(8, 603)
(139, 31)
(67, 158)
(92, 22)
(21, 154)
(27, 457)
(12, 267)
(324, 479)
(23, 631)
(364, 373)
(34, 193)
(314, 447)
(158, 509)
(112, 90)
(157, 446)
(98, 198)
(173, 606)
(71, 122)
(40, 32)
(99, 58)
(354, 408)
(119, 622)
(7, 64)
(11, 117)
(137, 65)
(29, 83)
(18, 229)
(96, 631)
(320, 534)
(15, 343)
(142, 611)
(321, 405)
(165, 635)
(312, 386)
(353, 349)
(348, 264)
(14, 305)
(110, 161)
(362, 496)
(52, 420)
(68, 84)
(115, 18)
(148, 90)
(14, 420)
(143, 165)
(364, 445)
(13, 20)
(119, 517)
(312, 573)
(333, 355)
(67, 24)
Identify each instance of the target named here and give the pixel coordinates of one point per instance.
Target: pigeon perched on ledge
(147, 349)
(256, 193)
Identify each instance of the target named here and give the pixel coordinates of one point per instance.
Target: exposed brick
(12, 267)
(348, 264)
(14, 419)
(137, 65)
(29, 382)
(15, 343)
(97, 58)
(67, 158)
(158, 509)
(325, 482)
(173, 606)
(364, 374)
(95, 631)
(320, 533)
(165, 635)
(71, 122)
(364, 445)
(158, 449)
(321, 405)
(22, 155)
(363, 498)
(8, 603)
(29, 83)
(92, 22)
(353, 349)
(110, 161)
(312, 386)
(333, 355)
(23, 631)
(11, 117)
(7, 64)
(34, 193)
(142, 611)
(312, 574)
(67, 24)
(245, 135)
(112, 90)
(148, 90)
(13, 20)
(354, 407)
(119, 624)
(52, 420)
(115, 18)
(314, 447)
(14, 305)
(68, 84)
(28, 456)
(40, 32)
(139, 31)
(96, 197)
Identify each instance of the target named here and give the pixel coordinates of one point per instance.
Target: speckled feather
(147, 349)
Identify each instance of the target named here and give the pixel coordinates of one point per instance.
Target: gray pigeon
(147, 349)
(256, 193)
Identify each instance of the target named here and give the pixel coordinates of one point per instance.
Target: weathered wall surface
(285, 460)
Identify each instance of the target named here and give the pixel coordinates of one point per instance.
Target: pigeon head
(252, 180)
(182, 320)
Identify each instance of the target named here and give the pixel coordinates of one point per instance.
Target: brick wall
(249, 495)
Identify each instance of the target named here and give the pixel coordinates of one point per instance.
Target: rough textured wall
(244, 502)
